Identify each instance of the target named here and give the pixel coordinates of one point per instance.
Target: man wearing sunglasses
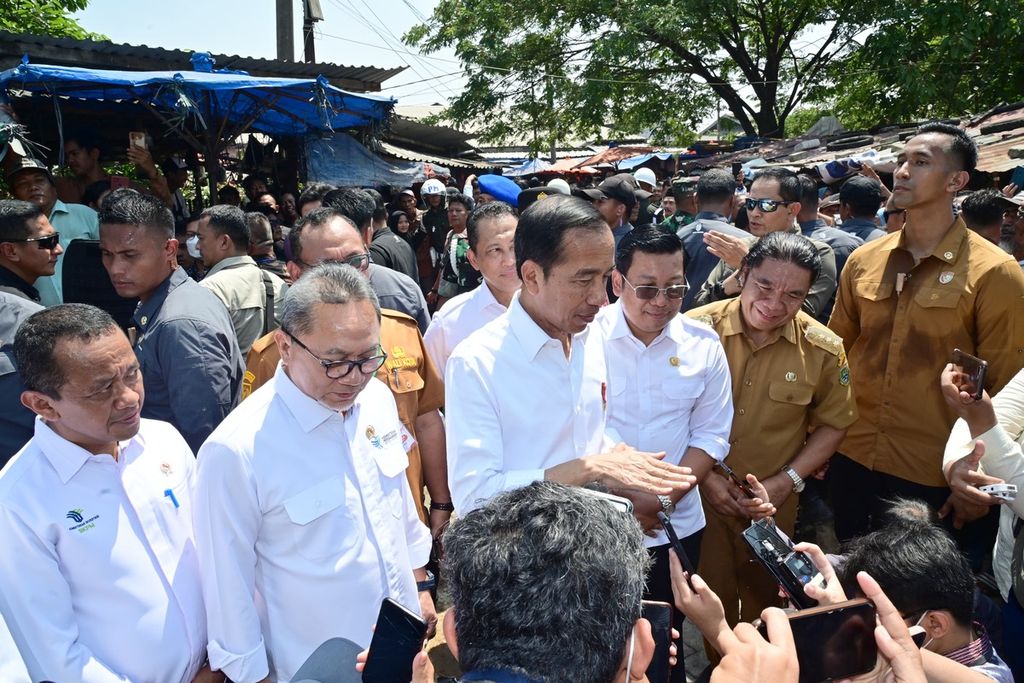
(669, 390)
(29, 248)
(772, 206)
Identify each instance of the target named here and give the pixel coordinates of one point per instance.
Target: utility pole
(285, 31)
(311, 12)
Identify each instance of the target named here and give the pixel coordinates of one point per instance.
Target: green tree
(568, 67)
(802, 118)
(45, 18)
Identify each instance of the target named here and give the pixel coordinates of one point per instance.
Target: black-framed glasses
(357, 261)
(337, 369)
(766, 205)
(48, 242)
(650, 292)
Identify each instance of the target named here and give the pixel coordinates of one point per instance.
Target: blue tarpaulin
(633, 162)
(528, 167)
(341, 160)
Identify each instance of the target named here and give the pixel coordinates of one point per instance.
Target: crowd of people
(428, 393)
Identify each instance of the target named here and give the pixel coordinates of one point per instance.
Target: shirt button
(748, 383)
(948, 254)
(742, 411)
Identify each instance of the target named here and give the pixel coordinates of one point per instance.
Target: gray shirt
(400, 292)
(699, 261)
(16, 421)
(843, 244)
(191, 365)
(864, 228)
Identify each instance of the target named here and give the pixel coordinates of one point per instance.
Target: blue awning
(633, 162)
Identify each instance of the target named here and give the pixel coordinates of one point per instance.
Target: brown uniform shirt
(901, 322)
(796, 380)
(408, 372)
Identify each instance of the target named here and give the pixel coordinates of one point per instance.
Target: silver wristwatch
(667, 506)
(798, 481)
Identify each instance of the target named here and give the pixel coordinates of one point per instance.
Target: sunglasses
(765, 205)
(650, 292)
(48, 242)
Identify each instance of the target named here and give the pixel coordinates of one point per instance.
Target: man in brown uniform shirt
(905, 302)
(789, 373)
(418, 389)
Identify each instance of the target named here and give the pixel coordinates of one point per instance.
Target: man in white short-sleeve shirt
(97, 559)
(526, 395)
(304, 519)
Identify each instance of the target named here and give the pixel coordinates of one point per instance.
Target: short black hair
(316, 218)
(808, 191)
(459, 198)
(647, 239)
(229, 190)
(916, 563)
(15, 219)
(260, 230)
(487, 212)
(228, 220)
(789, 184)
(983, 208)
(86, 139)
(38, 336)
(129, 207)
(314, 192)
(248, 181)
(786, 247)
(863, 195)
(93, 191)
(355, 204)
(961, 146)
(540, 235)
(716, 185)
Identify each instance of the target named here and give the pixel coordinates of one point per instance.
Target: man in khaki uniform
(789, 374)
(905, 302)
(326, 235)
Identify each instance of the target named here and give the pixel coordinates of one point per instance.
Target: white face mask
(192, 246)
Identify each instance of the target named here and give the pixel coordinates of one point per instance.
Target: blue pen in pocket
(170, 494)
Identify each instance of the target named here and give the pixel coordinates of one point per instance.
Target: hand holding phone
(677, 546)
(971, 372)
(398, 636)
(739, 483)
(659, 615)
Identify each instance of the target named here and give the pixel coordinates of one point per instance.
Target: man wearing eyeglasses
(29, 248)
(772, 206)
(669, 389)
(304, 520)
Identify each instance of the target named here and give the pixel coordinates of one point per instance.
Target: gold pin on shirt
(790, 376)
(674, 361)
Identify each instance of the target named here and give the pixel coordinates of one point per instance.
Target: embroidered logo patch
(81, 524)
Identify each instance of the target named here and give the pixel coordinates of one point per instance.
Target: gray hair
(327, 283)
(546, 582)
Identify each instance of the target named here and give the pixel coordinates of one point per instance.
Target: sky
(353, 33)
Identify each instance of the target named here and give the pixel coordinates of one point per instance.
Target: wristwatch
(798, 481)
(428, 584)
(667, 506)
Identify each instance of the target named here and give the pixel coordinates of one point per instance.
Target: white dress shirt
(304, 522)
(99, 580)
(515, 406)
(668, 396)
(460, 317)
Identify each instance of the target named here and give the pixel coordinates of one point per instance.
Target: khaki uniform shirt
(238, 283)
(408, 372)
(797, 380)
(900, 324)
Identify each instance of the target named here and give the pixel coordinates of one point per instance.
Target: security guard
(410, 374)
(789, 374)
(684, 189)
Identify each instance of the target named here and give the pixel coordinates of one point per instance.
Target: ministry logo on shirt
(81, 523)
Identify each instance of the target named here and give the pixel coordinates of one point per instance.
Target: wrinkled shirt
(460, 317)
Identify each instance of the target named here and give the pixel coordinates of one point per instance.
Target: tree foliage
(571, 66)
(45, 18)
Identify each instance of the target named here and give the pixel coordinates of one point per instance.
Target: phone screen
(743, 485)
(972, 373)
(834, 641)
(659, 614)
(397, 638)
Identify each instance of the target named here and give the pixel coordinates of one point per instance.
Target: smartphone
(972, 373)
(398, 636)
(833, 641)
(677, 545)
(660, 616)
(137, 139)
(744, 486)
(792, 570)
(618, 502)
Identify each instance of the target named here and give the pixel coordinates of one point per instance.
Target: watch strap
(798, 481)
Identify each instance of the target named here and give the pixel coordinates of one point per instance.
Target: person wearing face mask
(189, 258)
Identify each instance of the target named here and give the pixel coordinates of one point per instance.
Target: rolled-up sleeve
(711, 419)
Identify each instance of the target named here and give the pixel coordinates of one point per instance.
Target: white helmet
(645, 175)
(432, 186)
(560, 186)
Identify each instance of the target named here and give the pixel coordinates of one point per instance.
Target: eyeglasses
(48, 242)
(766, 205)
(649, 292)
(357, 261)
(337, 369)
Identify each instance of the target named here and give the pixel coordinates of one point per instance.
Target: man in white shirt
(252, 296)
(491, 230)
(304, 520)
(526, 395)
(98, 564)
(669, 389)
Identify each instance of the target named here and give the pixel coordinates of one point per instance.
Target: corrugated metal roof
(994, 154)
(109, 55)
(410, 155)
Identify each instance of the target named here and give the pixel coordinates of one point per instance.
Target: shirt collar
(620, 326)
(527, 331)
(148, 310)
(483, 297)
(67, 458)
(710, 216)
(59, 207)
(807, 227)
(230, 262)
(732, 323)
(975, 652)
(308, 412)
(11, 279)
(948, 247)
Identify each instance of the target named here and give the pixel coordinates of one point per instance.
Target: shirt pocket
(938, 297)
(324, 526)
(873, 290)
(790, 400)
(681, 391)
(403, 380)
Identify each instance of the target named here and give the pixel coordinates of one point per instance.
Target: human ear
(617, 283)
(533, 275)
(40, 404)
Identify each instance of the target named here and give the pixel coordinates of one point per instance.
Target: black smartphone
(660, 616)
(397, 638)
(688, 567)
(792, 570)
(741, 483)
(833, 641)
(972, 373)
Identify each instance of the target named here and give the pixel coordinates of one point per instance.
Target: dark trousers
(659, 587)
(1013, 636)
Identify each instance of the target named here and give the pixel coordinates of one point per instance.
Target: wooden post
(285, 31)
